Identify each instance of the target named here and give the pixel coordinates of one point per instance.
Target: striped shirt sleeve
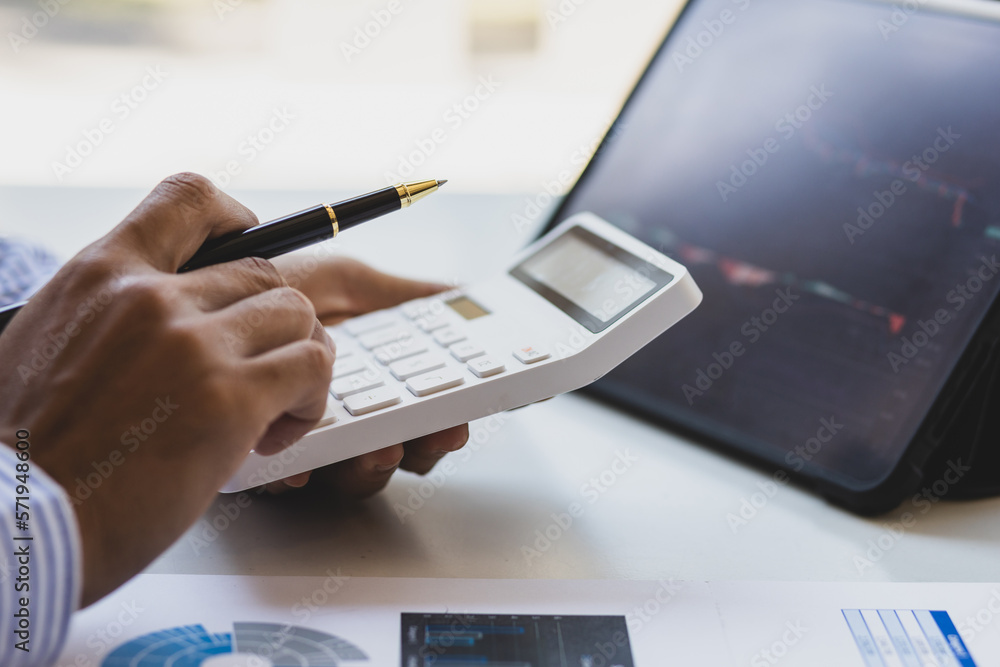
(40, 564)
(24, 268)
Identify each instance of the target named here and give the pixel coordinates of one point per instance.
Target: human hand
(340, 288)
(120, 361)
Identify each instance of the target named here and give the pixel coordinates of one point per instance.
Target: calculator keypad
(420, 345)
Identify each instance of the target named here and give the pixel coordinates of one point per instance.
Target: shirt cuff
(40, 563)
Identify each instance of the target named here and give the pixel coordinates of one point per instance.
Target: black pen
(294, 231)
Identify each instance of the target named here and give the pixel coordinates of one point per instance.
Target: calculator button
(352, 384)
(423, 308)
(329, 416)
(401, 349)
(466, 350)
(448, 335)
(339, 337)
(530, 355)
(370, 322)
(370, 401)
(348, 366)
(381, 337)
(423, 363)
(416, 309)
(435, 381)
(430, 323)
(413, 310)
(486, 366)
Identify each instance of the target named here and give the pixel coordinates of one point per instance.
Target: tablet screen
(829, 171)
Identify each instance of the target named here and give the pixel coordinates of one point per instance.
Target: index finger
(177, 217)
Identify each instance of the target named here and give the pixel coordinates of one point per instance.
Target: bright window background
(558, 70)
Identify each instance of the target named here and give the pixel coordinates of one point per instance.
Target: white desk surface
(666, 516)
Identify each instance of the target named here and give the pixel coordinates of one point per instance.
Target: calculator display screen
(589, 278)
(467, 308)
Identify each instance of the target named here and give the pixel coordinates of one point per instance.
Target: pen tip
(440, 183)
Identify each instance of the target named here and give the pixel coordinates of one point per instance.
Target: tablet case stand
(970, 438)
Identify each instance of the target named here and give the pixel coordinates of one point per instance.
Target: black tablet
(829, 170)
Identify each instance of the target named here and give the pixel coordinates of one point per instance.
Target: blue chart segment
(496, 640)
(272, 644)
(913, 638)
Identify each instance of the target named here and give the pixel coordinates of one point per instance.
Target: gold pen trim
(333, 219)
(414, 191)
(405, 198)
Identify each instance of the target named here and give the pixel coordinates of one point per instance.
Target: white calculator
(573, 305)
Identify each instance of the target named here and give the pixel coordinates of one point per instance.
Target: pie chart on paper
(248, 645)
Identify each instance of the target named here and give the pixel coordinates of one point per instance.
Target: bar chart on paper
(907, 637)
(500, 640)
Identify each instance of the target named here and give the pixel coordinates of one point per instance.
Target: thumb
(173, 221)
